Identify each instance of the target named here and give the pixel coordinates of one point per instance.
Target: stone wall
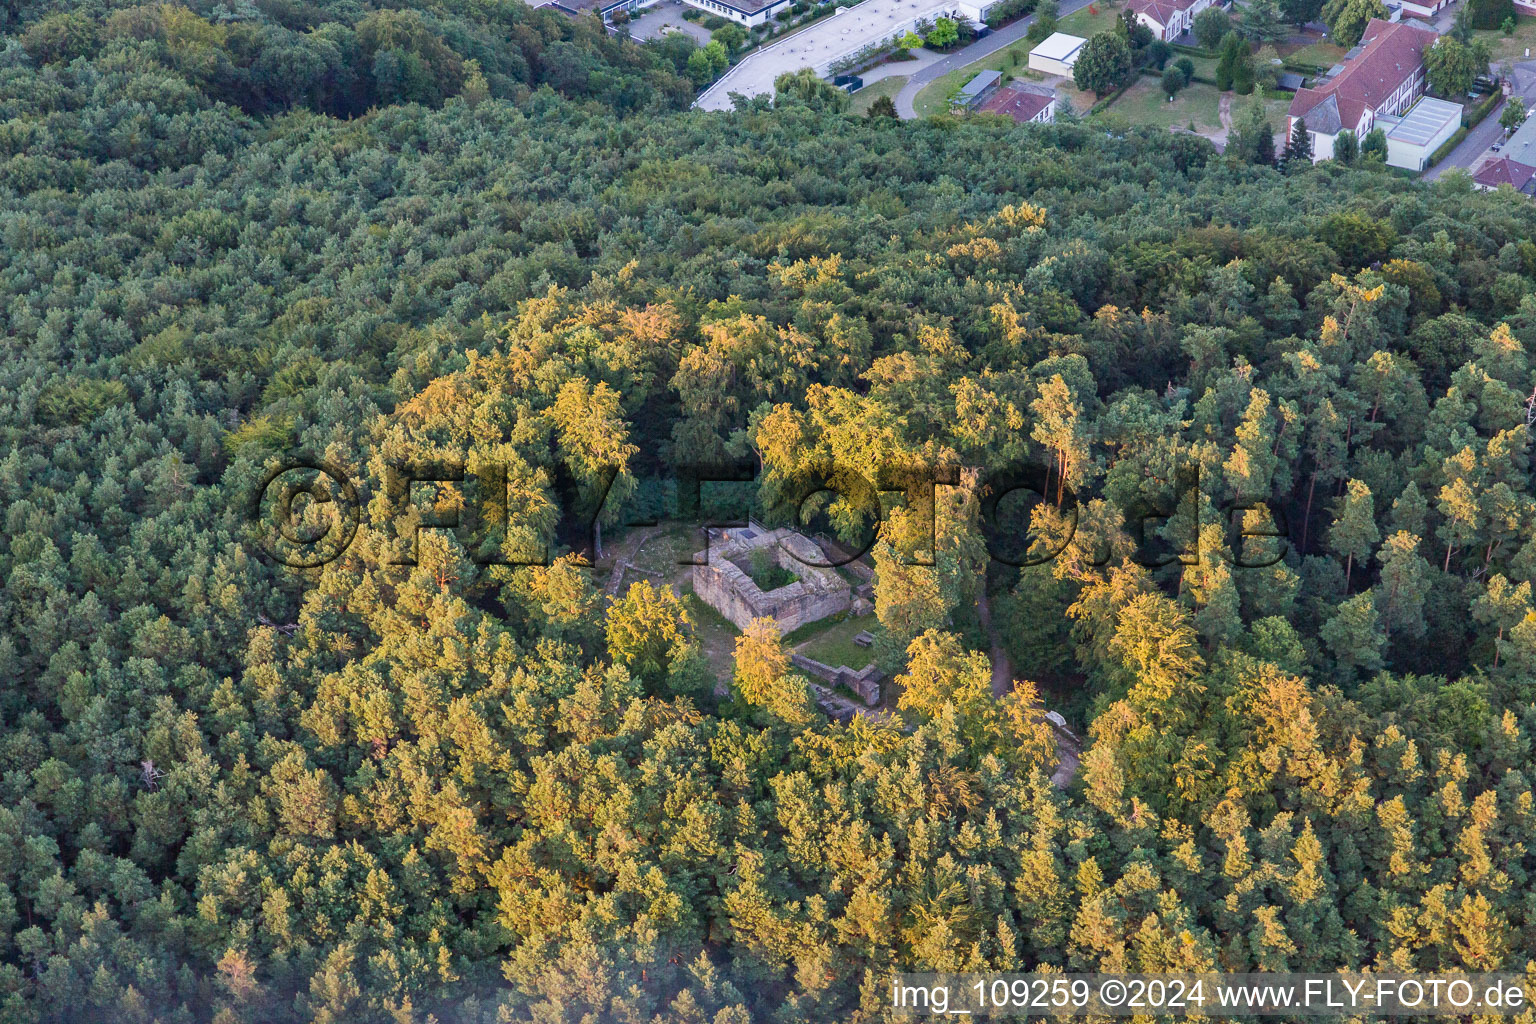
(725, 586)
(865, 682)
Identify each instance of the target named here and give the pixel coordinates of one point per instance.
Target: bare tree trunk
(1306, 521)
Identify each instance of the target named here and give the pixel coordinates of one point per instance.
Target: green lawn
(1324, 55)
(1511, 48)
(1012, 61)
(865, 97)
(1146, 103)
(716, 634)
(834, 644)
(1089, 21)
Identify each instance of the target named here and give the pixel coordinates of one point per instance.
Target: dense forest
(235, 791)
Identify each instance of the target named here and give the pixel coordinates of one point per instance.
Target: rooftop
(1021, 103)
(1059, 46)
(819, 46)
(1387, 57)
(1160, 11)
(1504, 171)
(1521, 147)
(749, 6)
(980, 84)
(1424, 120)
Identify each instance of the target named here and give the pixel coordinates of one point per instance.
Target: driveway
(1003, 37)
(1471, 150)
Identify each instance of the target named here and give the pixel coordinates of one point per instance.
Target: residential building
(1515, 165)
(1168, 19)
(1504, 171)
(1413, 138)
(1024, 103)
(1383, 75)
(1056, 54)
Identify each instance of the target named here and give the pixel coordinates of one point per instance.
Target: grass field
(1511, 48)
(1324, 55)
(716, 634)
(1089, 21)
(1012, 61)
(1145, 103)
(833, 645)
(865, 97)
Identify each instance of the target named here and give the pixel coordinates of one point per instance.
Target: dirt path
(1068, 748)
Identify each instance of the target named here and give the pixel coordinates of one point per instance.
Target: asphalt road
(984, 47)
(1469, 152)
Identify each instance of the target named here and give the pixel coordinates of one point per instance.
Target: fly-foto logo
(309, 512)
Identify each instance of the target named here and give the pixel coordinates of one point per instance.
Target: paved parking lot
(667, 16)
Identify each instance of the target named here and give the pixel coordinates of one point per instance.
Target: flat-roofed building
(743, 12)
(973, 93)
(1056, 54)
(830, 45)
(1426, 126)
(1521, 147)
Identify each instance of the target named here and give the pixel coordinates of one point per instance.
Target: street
(1469, 152)
(1003, 37)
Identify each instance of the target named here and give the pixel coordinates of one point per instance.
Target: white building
(743, 12)
(1025, 103)
(824, 45)
(1413, 138)
(1383, 75)
(1056, 54)
(1168, 19)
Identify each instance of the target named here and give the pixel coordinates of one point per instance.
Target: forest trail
(1068, 746)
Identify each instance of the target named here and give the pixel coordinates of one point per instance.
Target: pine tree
(1354, 532)
(1298, 149)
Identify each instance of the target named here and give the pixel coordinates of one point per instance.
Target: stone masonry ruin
(725, 585)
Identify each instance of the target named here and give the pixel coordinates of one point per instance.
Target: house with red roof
(1504, 171)
(1168, 19)
(1023, 103)
(1383, 77)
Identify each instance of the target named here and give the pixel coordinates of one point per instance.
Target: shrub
(1173, 81)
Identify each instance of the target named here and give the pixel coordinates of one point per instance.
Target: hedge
(1472, 116)
(1106, 101)
(1450, 144)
